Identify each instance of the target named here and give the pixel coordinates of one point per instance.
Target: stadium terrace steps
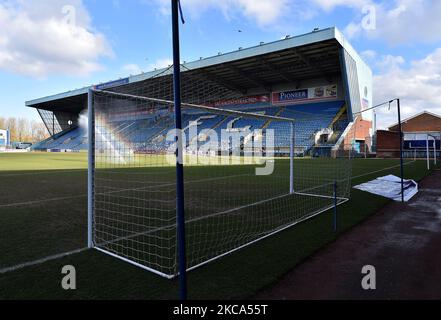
(277, 114)
(312, 118)
(69, 139)
(339, 115)
(220, 123)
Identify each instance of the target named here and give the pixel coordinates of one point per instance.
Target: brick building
(417, 131)
(388, 144)
(359, 135)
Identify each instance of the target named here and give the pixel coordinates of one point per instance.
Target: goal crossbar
(200, 107)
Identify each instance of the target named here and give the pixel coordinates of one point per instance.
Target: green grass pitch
(43, 212)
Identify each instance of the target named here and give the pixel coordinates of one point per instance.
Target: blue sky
(51, 46)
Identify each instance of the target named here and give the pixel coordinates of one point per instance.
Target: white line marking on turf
(117, 191)
(106, 251)
(171, 184)
(40, 172)
(352, 178)
(65, 254)
(308, 217)
(377, 171)
(61, 255)
(173, 225)
(40, 261)
(18, 204)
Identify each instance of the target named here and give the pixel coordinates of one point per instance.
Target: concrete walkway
(403, 243)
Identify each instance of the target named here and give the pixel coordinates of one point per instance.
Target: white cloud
(390, 62)
(352, 29)
(135, 69)
(329, 5)
(132, 69)
(414, 20)
(49, 37)
(161, 63)
(369, 54)
(397, 22)
(418, 87)
(263, 12)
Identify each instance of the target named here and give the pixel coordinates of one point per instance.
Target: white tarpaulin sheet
(390, 187)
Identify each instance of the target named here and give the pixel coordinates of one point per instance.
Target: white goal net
(249, 172)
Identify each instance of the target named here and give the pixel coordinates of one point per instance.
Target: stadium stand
(332, 86)
(328, 118)
(313, 118)
(71, 139)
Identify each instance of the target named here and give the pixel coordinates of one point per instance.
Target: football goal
(248, 173)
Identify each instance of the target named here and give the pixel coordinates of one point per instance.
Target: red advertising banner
(242, 101)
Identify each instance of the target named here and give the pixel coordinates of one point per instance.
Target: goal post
(248, 175)
(291, 158)
(90, 167)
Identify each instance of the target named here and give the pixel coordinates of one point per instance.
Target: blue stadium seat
(311, 118)
(150, 132)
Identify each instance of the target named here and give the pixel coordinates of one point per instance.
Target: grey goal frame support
(90, 167)
(428, 136)
(291, 158)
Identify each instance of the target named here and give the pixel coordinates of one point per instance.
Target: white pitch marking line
(171, 184)
(40, 172)
(115, 191)
(40, 261)
(171, 226)
(377, 171)
(49, 258)
(355, 177)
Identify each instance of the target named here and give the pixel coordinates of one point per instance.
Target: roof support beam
(255, 80)
(219, 81)
(312, 65)
(285, 75)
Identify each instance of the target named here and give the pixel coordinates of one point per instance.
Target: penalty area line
(41, 261)
(41, 172)
(32, 202)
